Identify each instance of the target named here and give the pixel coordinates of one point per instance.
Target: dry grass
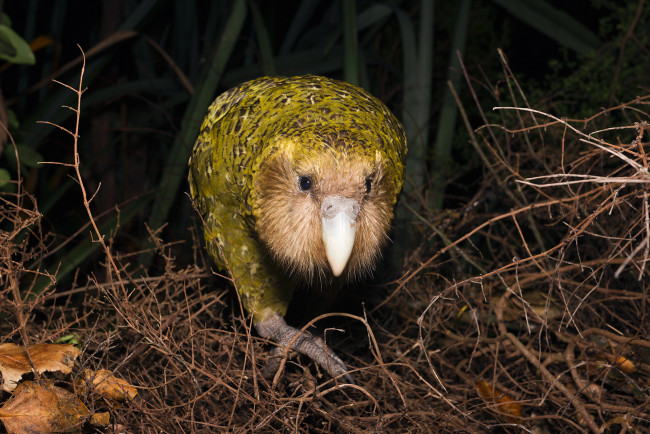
(541, 292)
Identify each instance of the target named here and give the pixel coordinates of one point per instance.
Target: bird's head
(324, 201)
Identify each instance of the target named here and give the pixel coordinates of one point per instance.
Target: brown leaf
(46, 357)
(40, 406)
(101, 419)
(623, 363)
(620, 364)
(504, 403)
(105, 383)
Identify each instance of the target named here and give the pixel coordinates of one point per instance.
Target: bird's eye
(368, 185)
(304, 183)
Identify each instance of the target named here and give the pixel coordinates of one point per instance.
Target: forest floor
(525, 309)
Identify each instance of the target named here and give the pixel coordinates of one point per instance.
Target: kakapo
(296, 179)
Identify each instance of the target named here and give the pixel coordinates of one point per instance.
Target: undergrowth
(526, 308)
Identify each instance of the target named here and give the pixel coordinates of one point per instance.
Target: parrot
(296, 180)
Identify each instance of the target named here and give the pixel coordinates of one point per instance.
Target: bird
(296, 180)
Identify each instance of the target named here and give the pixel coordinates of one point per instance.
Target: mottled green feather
(244, 128)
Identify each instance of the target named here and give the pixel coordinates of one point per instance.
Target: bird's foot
(276, 328)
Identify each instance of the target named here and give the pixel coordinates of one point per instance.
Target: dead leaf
(615, 366)
(504, 403)
(14, 362)
(101, 419)
(40, 406)
(623, 363)
(106, 384)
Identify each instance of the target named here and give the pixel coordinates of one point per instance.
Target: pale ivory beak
(338, 227)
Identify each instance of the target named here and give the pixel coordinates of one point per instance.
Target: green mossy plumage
(255, 142)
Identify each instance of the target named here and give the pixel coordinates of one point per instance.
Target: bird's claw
(303, 342)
